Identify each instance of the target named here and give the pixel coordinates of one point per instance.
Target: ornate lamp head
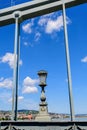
(42, 75)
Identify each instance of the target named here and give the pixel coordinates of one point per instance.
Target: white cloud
(43, 20)
(20, 62)
(37, 36)
(30, 89)
(28, 81)
(51, 23)
(84, 59)
(20, 98)
(27, 27)
(6, 83)
(26, 43)
(54, 25)
(29, 85)
(9, 59)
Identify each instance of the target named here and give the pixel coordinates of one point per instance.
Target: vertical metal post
(68, 64)
(16, 66)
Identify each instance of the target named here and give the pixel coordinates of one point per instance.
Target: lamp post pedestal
(43, 113)
(43, 106)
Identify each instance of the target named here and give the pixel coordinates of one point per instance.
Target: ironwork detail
(75, 127)
(10, 127)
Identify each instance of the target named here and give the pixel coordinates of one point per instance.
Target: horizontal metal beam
(33, 125)
(33, 9)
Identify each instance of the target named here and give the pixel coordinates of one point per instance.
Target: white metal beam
(34, 8)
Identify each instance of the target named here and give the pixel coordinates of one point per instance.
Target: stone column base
(43, 117)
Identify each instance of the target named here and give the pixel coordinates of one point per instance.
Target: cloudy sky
(42, 47)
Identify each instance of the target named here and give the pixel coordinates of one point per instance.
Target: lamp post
(43, 106)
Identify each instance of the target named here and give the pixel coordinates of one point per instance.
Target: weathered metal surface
(34, 8)
(22, 125)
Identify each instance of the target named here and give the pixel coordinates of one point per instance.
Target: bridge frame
(34, 8)
(17, 14)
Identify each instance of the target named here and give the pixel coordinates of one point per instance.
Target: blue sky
(42, 47)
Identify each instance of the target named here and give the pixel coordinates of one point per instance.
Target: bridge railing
(22, 125)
